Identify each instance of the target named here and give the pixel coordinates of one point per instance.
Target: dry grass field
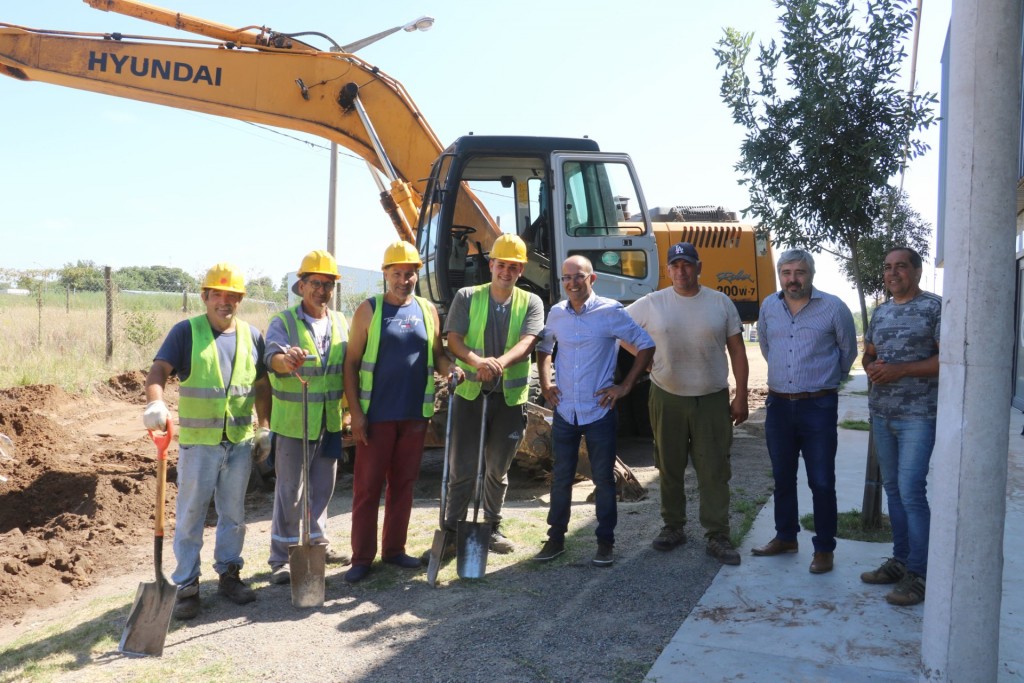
(64, 343)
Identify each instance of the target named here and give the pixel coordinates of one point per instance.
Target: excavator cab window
(597, 197)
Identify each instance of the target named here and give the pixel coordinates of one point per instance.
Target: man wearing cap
(810, 343)
(218, 359)
(394, 348)
(491, 329)
(694, 328)
(310, 330)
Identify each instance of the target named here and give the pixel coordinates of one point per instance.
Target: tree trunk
(871, 505)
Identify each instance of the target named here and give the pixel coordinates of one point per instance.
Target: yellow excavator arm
(250, 74)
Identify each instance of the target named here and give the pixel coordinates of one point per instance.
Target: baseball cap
(682, 250)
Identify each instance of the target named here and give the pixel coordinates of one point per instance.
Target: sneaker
(404, 561)
(357, 573)
(280, 574)
(603, 557)
(669, 538)
(891, 571)
(332, 556)
(552, 549)
(186, 604)
(722, 549)
(232, 588)
(909, 591)
(499, 544)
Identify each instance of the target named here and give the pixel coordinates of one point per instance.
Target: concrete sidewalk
(769, 619)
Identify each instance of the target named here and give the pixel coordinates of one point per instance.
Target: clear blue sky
(120, 183)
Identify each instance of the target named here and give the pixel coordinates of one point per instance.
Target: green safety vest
(516, 378)
(207, 411)
(369, 362)
(325, 384)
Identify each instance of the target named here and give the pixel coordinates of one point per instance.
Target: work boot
(186, 603)
(232, 588)
(332, 556)
(669, 538)
(280, 574)
(605, 555)
(909, 591)
(499, 544)
(722, 549)
(552, 549)
(891, 571)
(447, 553)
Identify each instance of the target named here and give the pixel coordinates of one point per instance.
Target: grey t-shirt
(904, 333)
(498, 316)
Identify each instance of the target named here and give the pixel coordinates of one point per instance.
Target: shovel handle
(162, 442)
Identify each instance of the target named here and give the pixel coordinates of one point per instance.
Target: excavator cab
(520, 181)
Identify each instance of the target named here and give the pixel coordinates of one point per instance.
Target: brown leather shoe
(821, 563)
(776, 546)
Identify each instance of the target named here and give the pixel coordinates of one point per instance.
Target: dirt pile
(81, 486)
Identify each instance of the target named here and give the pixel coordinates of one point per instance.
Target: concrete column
(968, 499)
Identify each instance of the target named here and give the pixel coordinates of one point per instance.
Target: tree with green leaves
(83, 276)
(827, 127)
(906, 229)
(155, 279)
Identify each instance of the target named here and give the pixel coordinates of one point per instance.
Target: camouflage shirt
(903, 333)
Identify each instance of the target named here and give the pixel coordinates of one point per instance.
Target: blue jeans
(220, 473)
(804, 427)
(565, 438)
(904, 452)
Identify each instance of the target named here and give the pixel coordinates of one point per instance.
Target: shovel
(146, 628)
(306, 562)
(441, 535)
(475, 537)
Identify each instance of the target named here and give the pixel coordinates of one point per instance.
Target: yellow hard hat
(509, 248)
(401, 252)
(320, 262)
(226, 277)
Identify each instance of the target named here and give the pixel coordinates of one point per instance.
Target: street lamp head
(421, 24)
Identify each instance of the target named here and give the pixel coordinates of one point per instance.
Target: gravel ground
(562, 621)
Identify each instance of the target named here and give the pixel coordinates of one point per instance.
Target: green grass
(851, 529)
(857, 425)
(749, 509)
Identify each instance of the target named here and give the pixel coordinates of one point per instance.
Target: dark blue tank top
(399, 376)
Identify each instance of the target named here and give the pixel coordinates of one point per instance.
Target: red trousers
(392, 457)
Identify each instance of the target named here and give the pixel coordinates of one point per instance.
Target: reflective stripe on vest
(325, 384)
(369, 362)
(206, 409)
(516, 377)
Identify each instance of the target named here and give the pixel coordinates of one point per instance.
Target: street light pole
(421, 24)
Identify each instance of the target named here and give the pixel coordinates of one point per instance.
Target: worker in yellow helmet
(492, 329)
(394, 348)
(218, 359)
(309, 330)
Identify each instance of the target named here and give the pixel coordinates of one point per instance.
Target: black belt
(803, 394)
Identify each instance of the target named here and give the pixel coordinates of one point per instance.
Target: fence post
(184, 301)
(39, 307)
(109, 285)
(67, 299)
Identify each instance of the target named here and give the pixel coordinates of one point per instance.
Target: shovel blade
(436, 555)
(146, 628)
(307, 564)
(473, 542)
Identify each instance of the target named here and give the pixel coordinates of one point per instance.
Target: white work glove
(261, 445)
(155, 417)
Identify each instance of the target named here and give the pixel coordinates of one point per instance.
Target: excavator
(563, 196)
